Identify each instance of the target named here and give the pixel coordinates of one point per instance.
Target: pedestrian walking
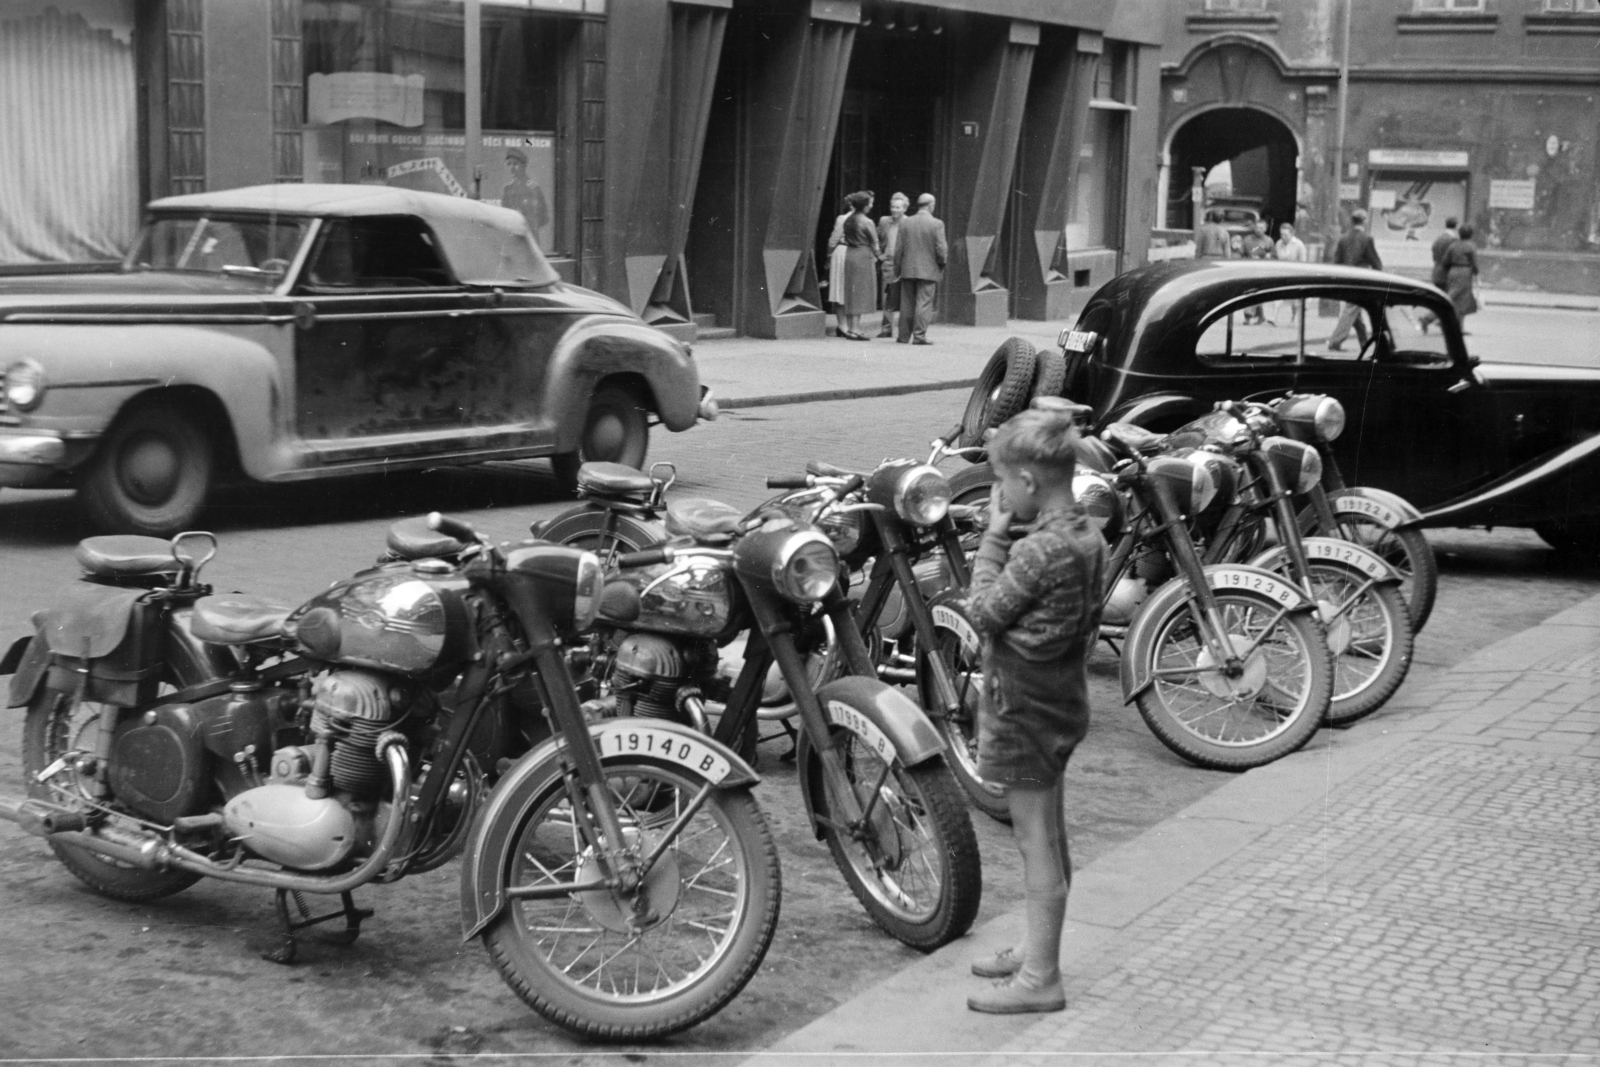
(888, 242)
(1037, 603)
(1355, 249)
(854, 289)
(1257, 245)
(1211, 241)
(1461, 273)
(1441, 245)
(919, 263)
(1290, 249)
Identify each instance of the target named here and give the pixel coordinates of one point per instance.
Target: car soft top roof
(484, 244)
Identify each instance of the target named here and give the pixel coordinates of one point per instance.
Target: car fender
(1525, 495)
(529, 781)
(600, 347)
(1334, 550)
(884, 718)
(1223, 577)
(1389, 509)
(103, 366)
(1159, 412)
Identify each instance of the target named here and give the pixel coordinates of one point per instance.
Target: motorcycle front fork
(893, 567)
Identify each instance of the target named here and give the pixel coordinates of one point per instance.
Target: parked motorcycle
(620, 874)
(1227, 663)
(1357, 592)
(872, 772)
(1376, 519)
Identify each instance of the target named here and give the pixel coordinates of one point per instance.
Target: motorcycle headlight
(922, 496)
(1188, 482)
(806, 566)
(25, 385)
(843, 529)
(1299, 465)
(1321, 415)
(588, 590)
(1202, 486)
(1329, 418)
(1100, 502)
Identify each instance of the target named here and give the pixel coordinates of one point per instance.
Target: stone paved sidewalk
(1419, 889)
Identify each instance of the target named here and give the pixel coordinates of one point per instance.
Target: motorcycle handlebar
(452, 528)
(643, 558)
(791, 481)
(828, 470)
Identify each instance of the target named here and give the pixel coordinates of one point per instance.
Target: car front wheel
(151, 473)
(616, 429)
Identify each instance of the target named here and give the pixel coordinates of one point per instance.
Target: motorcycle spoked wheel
(56, 724)
(915, 867)
(1369, 636)
(713, 895)
(1223, 724)
(960, 728)
(1407, 551)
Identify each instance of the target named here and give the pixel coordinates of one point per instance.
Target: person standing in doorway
(1211, 241)
(857, 284)
(1460, 272)
(1355, 249)
(888, 241)
(1441, 245)
(919, 263)
(1257, 245)
(522, 195)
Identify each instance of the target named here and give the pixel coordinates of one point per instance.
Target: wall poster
(1409, 210)
(518, 166)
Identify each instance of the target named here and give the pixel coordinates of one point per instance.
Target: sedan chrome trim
(32, 450)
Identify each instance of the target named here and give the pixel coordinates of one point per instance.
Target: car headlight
(25, 385)
(806, 567)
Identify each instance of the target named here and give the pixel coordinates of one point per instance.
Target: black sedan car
(1469, 442)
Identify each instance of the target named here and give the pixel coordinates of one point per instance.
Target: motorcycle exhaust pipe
(902, 675)
(40, 817)
(140, 850)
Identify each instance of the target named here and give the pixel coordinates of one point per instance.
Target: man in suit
(919, 264)
(1355, 249)
(1441, 245)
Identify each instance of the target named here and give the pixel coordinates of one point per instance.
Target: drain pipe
(1344, 108)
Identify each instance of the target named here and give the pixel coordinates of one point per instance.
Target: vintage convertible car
(1470, 442)
(289, 332)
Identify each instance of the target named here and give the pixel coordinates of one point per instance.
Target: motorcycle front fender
(487, 856)
(27, 661)
(1336, 551)
(1389, 509)
(1272, 589)
(885, 719)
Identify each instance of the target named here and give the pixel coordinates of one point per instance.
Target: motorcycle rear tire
(615, 1015)
(47, 733)
(1307, 651)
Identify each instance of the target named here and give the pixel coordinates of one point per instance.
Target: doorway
(1262, 155)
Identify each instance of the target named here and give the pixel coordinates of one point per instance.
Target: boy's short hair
(1038, 438)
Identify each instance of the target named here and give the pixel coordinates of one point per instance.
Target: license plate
(625, 737)
(953, 620)
(842, 714)
(1077, 340)
(1253, 582)
(1350, 555)
(1360, 505)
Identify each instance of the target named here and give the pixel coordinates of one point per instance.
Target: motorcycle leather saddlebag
(114, 633)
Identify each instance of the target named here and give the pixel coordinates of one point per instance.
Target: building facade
(685, 156)
(1484, 110)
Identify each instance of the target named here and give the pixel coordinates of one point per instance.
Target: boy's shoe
(1009, 996)
(1002, 964)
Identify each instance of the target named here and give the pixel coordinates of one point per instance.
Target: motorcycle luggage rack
(284, 950)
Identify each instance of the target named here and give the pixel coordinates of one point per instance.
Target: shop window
(379, 252)
(386, 103)
(1266, 331)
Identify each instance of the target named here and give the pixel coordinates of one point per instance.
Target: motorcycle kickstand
(794, 742)
(285, 950)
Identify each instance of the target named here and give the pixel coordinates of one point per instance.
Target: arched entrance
(1261, 151)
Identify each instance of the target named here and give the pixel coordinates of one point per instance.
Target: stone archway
(1263, 151)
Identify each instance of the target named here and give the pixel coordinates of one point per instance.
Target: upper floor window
(1572, 7)
(1236, 5)
(1448, 6)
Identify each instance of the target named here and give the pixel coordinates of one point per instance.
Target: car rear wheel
(616, 429)
(151, 473)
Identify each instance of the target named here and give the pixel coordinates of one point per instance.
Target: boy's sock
(1041, 942)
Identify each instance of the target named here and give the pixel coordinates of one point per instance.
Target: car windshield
(252, 248)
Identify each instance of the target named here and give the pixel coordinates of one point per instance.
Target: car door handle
(1462, 384)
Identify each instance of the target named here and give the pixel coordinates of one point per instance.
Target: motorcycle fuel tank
(389, 619)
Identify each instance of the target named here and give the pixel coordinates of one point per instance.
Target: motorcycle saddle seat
(709, 522)
(614, 480)
(237, 619)
(1132, 440)
(411, 539)
(125, 556)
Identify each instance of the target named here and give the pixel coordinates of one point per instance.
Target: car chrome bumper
(708, 405)
(28, 460)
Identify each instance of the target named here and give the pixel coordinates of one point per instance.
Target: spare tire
(1051, 374)
(1003, 389)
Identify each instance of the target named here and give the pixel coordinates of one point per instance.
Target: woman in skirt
(856, 292)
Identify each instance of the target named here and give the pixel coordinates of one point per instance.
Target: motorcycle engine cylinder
(646, 674)
(1130, 592)
(356, 706)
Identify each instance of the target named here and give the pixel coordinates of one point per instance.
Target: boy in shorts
(1036, 601)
